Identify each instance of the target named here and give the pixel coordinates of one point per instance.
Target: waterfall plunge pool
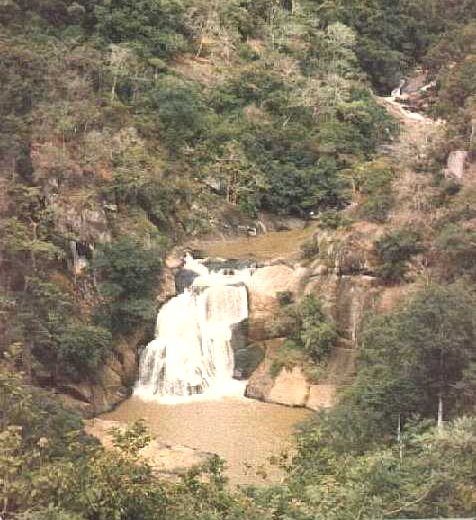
(244, 432)
(186, 391)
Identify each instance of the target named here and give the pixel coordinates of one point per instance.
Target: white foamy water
(191, 357)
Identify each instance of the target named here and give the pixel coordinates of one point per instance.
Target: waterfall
(397, 92)
(192, 352)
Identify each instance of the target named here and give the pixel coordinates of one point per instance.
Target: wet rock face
(247, 360)
(184, 279)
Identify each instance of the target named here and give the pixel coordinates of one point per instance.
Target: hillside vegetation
(128, 126)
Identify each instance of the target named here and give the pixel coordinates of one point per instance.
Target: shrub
(289, 355)
(154, 27)
(180, 109)
(317, 333)
(333, 219)
(83, 348)
(310, 249)
(128, 271)
(458, 246)
(376, 187)
(284, 298)
(395, 249)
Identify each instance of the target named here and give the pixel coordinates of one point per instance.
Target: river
(244, 432)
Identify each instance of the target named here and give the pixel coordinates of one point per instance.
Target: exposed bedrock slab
(263, 286)
(164, 459)
(290, 388)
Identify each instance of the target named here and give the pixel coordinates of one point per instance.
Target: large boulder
(322, 396)
(263, 287)
(261, 382)
(290, 388)
(168, 460)
(111, 384)
(456, 163)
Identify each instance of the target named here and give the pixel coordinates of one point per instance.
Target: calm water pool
(246, 433)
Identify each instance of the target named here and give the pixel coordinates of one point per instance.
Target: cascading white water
(192, 353)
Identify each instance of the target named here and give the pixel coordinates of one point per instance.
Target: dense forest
(127, 126)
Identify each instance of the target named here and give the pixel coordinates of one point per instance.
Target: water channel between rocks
(244, 432)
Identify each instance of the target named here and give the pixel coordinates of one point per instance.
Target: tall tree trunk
(440, 411)
(399, 437)
(113, 88)
(441, 391)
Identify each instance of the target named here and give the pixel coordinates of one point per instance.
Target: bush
(284, 298)
(309, 249)
(395, 249)
(377, 189)
(317, 333)
(458, 245)
(83, 348)
(448, 189)
(154, 27)
(289, 355)
(128, 271)
(333, 219)
(181, 111)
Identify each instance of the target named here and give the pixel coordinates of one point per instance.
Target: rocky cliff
(342, 269)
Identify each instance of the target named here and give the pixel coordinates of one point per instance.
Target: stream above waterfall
(244, 432)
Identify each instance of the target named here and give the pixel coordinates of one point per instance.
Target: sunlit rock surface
(165, 459)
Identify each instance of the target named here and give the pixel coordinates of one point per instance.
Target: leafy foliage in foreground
(425, 474)
(50, 469)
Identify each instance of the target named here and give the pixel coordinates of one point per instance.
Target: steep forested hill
(127, 126)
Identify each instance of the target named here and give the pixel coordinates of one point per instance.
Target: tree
(181, 111)
(83, 348)
(154, 27)
(127, 269)
(428, 475)
(415, 360)
(394, 249)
